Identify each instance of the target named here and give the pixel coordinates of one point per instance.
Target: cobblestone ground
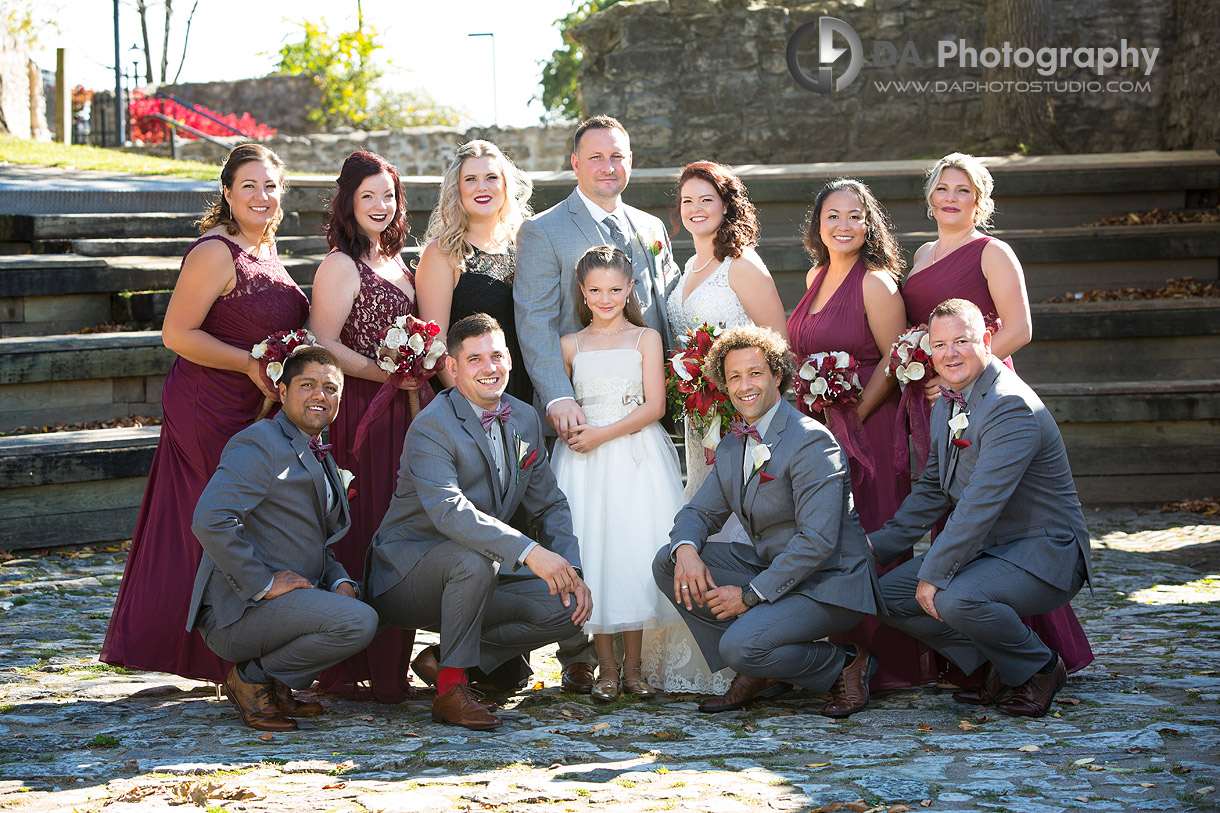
(1136, 730)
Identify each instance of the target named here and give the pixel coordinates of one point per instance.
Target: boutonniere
(525, 456)
(652, 241)
(346, 478)
(760, 454)
(958, 424)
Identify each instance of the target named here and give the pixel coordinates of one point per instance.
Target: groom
(544, 291)
(445, 556)
(766, 609)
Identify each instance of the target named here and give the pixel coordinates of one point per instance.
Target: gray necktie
(617, 235)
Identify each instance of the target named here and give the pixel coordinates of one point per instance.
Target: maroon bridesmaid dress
(384, 664)
(203, 408)
(841, 324)
(960, 274)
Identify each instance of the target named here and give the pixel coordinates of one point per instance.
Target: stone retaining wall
(282, 102)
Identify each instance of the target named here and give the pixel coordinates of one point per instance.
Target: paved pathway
(1137, 730)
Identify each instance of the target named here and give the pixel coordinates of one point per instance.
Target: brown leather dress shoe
(1033, 697)
(256, 702)
(850, 692)
(989, 692)
(289, 705)
(460, 706)
(427, 665)
(744, 690)
(577, 677)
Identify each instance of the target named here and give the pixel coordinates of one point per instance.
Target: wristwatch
(749, 597)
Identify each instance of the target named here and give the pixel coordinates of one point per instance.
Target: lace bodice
(714, 302)
(609, 384)
(378, 303)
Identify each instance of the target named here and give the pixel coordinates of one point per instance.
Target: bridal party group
(499, 464)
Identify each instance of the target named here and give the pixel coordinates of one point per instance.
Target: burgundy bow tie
(955, 397)
(500, 413)
(319, 449)
(741, 429)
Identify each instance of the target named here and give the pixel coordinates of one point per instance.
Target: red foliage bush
(151, 130)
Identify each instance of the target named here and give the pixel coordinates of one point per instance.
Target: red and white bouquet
(409, 351)
(692, 396)
(273, 351)
(829, 383)
(911, 363)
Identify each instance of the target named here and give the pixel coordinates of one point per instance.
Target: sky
(425, 42)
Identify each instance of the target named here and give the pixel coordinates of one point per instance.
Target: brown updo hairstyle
(341, 230)
(218, 212)
(606, 257)
(739, 229)
(880, 251)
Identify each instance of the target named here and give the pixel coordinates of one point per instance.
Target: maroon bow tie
(320, 450)
(741, 429)
(500, 413)
(955, 397)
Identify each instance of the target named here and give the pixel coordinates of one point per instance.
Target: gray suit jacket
(544, 289)
(448, 490)
(807, 537)
(1011, 490)
(265, 510)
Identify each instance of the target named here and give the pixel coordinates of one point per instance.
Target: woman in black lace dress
(467, 265)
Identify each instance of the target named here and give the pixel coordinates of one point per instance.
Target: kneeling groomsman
(765, 610)
(269, 594)
(1015, 543)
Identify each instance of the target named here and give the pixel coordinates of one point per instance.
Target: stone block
(128, 390)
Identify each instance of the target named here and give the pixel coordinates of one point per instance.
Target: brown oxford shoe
(1033, 698)
(850, 692)
(744, 690)
(427, 665)
(577, 677)
(990, 691)
(256, 702)
(460, 706)
(289, 705)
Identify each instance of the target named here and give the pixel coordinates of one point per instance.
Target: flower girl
(620, 470)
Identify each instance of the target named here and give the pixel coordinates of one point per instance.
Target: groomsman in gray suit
(446, 556)
(1015, 543)
(545, 292)
(269, 594)
(766, 609)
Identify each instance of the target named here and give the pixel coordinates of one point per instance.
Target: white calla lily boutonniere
(958, 424)
(525, 456)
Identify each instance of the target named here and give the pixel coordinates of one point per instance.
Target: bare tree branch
(142, 7)
(169, 6)
(185, 39)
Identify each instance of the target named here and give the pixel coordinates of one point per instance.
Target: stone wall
(414, 150)
(282, 102)
(1192, 104)
(709, 79)
(22, 103)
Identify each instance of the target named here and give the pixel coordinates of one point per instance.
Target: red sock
(449, 676)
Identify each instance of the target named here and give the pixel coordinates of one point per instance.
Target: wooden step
(177, 246)
(30, 228)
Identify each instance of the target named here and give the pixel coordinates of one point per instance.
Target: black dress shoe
(578, 678)
(990, 691)
(744, 690)
(1033, 698)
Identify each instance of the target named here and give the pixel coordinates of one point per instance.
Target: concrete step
(177, 246)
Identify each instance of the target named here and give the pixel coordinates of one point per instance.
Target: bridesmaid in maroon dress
(852, 304)
(358, 290)
(232, 292)
(963, 262)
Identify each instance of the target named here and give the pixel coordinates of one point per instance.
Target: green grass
(105, 741)
(52, 154)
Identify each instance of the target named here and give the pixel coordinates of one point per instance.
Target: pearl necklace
(705, 265)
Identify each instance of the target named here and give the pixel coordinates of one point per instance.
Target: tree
(142, 10)
(1008, 116)
(561, 73)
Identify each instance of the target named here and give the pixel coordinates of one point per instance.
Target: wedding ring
(685, 587)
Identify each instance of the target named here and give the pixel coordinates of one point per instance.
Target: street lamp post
(495, 102)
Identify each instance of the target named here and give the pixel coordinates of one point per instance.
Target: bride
(724, 284)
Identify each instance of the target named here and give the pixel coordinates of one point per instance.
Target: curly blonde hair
(774, 348)
(448, 222)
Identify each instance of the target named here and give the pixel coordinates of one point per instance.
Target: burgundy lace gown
(384, 665)
(203, 408)
(960, 274)
(842, 325)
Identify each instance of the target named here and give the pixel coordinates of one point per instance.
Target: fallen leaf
(1029, 748)
(748, 728)
(1147, 784)
(924, 727)
(1056, 714)
(566, 713)
(1094, 768)
(966, 725)
(334, 786)
(817, 764)
(537, 687)
(1205, 790)
(925, 802)
(346, 765)
(1068, 701)
(598, 727)
(369, 719)
(1084, 761)
(410, 734)
(1082, 798)
(268, 737)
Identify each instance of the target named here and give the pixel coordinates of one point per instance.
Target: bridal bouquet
(410, 349)
(829, 383)
(911, 363)
(692, 396)
(273, 351)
